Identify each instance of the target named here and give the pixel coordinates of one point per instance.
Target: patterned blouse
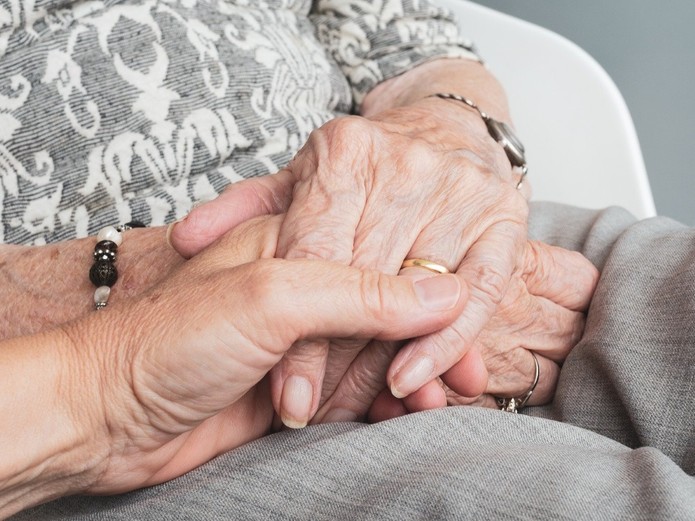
(112, 110)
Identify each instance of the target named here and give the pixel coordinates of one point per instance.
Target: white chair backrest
(582, 148)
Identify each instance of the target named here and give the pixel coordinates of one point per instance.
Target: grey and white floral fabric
(112, 110)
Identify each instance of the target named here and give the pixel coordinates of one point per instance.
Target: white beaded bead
(101, 296)
(110, 234)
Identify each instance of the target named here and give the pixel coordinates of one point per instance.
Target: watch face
(505, 136)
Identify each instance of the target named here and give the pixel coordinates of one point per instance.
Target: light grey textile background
(647, 47)
(453, 464)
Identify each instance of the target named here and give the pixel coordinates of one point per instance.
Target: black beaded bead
(103, 273)
(107, 245)
(136, 224)
(130, 225)
(105, 251)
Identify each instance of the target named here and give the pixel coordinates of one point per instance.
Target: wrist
(53, 424)
(458, 76)
(105, 348)
(451, 125)
(445, 127)
(50, 284)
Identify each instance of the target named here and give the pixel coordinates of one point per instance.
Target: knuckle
(334, 148)
(508, 367)
(420, 153)
(595, 276)
(376, 294)
(352, 132)
(326, 250)
(537, 263)
(489, 283)
(364, 386)
(260, 282)
(350, 125)
(498, 357)
(448, 346)
(306, 357)
(257, 285)
(527, 312)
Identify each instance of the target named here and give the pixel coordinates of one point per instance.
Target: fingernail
(414, 374)
(170, 229)
(183, 217)
(339, 415)
(295, 407)
(438, 293)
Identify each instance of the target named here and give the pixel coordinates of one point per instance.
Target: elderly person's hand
(150, 388)
(541, 313)
(417, 178)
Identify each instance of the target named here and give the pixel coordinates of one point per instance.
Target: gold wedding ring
(424, 263)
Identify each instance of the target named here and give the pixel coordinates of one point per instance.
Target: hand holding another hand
(186, 362)
(423, 181)
(541, 313)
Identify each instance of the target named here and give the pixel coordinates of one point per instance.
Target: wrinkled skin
(539, 313)
(422, 181)
(542, 311)
(183, 379)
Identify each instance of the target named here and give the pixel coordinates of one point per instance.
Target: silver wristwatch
(500, 132)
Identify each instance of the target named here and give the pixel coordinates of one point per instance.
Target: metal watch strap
(499, 131)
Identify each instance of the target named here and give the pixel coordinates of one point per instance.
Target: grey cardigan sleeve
(373, 41)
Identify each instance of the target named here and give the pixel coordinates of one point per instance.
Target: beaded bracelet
(103, 273)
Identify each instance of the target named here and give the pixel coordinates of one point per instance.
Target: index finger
(238, 203)
(330, 194)
(486, 270)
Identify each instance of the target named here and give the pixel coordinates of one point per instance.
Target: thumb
(240, 202)
(241, 321)
(308, 299)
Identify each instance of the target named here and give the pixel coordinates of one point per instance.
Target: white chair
(581, 144)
